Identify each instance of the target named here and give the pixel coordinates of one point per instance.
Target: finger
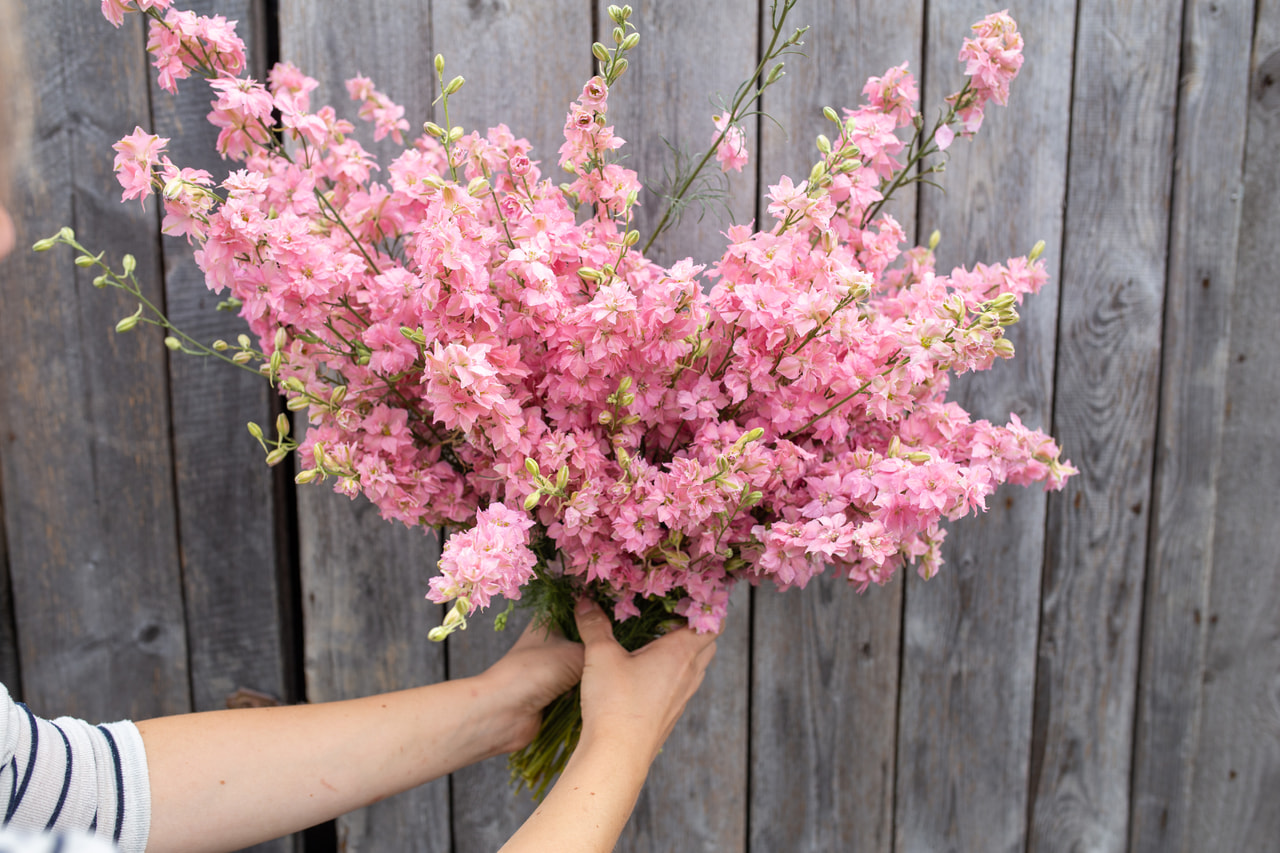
(593, 625)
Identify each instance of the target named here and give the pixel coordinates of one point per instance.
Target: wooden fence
(1095, 670)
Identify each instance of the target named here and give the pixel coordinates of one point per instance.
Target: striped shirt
(66, 774)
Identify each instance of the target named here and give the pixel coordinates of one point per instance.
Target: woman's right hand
(637, 697)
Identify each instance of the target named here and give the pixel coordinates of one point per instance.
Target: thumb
(593, 625)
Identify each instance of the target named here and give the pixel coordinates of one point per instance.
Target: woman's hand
(638, 695)
(540, 667)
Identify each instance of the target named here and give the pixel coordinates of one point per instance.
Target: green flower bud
(130, 263)
(282, 424)
(84, 260)
(1036, 251)
(244, 341)
(432, 129)
(127, 324)
(531, 465)
(173, 343)
(824, 144)
(455, 133)
(831, 114)
(615, 14)
(562, 477)
(630, 41)
(454, 85)
(1003, 347)
(477, 187)
(44, 245)
(66, 234)
(282, 338)
(618, 35)
(276, 456)
(297, 404)
(775, 74)
(624, 384)
(241, 358)
(338, 395)
(600, 52)
(101, 281)
(531, 502)
(310, 475)
(255, 430)
(620, 68)
(439, 62)
(934, 239)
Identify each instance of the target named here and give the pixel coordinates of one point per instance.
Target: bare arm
(226, 779)
(630, 703)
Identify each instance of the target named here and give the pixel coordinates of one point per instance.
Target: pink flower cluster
(468, 338)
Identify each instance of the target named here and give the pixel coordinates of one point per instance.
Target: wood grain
(1114, 267)
(969, 655)
(366, 633)
(1213, 102)
(1235, 778)
(86, 455)
(690, 59)
(825, 660)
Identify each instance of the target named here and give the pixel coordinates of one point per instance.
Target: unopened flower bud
(604, 418)
(624, 384)
(439, 63)
(281, 339)
(127, 324)
(531, 502)
(276, 360)
(831, 114)
(590, 274)
(562, 477)
(620, 68)
(44, 245)
(282, 424)
(919, 456)
(172, 343)
(752, 499)
(243, 340)
(1003, 347)
(297, 404)
(477, 187)
(338, 395)
(1003, 302)
(816, 174)
(775, 74)
(432, 129)
(130, 263)
(308, 475)
(454, 85)
(934, 239)
(600, 52)
(241, 358)
(531, 465)
(455, 133)
(824, 144)
(101, 281)
(618, 35)
(615, 14)
(276, 456)
(84, 260)
(1036, 251)
(630, 41)
(256, 431)
(631, 238)
(895, 446)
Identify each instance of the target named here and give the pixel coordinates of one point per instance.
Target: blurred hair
(15, 100)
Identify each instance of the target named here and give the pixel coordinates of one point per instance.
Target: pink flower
(731, 147)
(137, 154)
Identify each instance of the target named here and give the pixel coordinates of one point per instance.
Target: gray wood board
(824, 659)
(690, 59)
(524, 64)
(689, 54)
(1236, 763)
(1213, 101)
(969, 658)
(1114, 264)
(92, 541)
(365, 621)
(226, 507)
(366, 633)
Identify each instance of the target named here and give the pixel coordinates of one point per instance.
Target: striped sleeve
(66, 774)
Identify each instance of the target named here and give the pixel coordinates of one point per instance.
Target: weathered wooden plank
(1213, 103)
(690, 59)
(92, 543)
(690, 54)
(524, 63)
(969, 658)
(1236, 762)
(366, 627)
(825, 660)
(226, 511)
(365, 621)
(1114, 265)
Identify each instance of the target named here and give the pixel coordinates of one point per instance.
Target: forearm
(589, 805)
(226, 779)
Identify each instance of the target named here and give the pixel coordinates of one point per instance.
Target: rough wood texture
(1197, 336)
(696, 797)
(88, 482)
(366, 632)
(825, 660)
(1114, 261)
(969, 656)
(365, 621)
(1236, 781)
(691, 58)
(226, 511)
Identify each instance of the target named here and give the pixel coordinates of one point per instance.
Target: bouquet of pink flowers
(480, 349)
